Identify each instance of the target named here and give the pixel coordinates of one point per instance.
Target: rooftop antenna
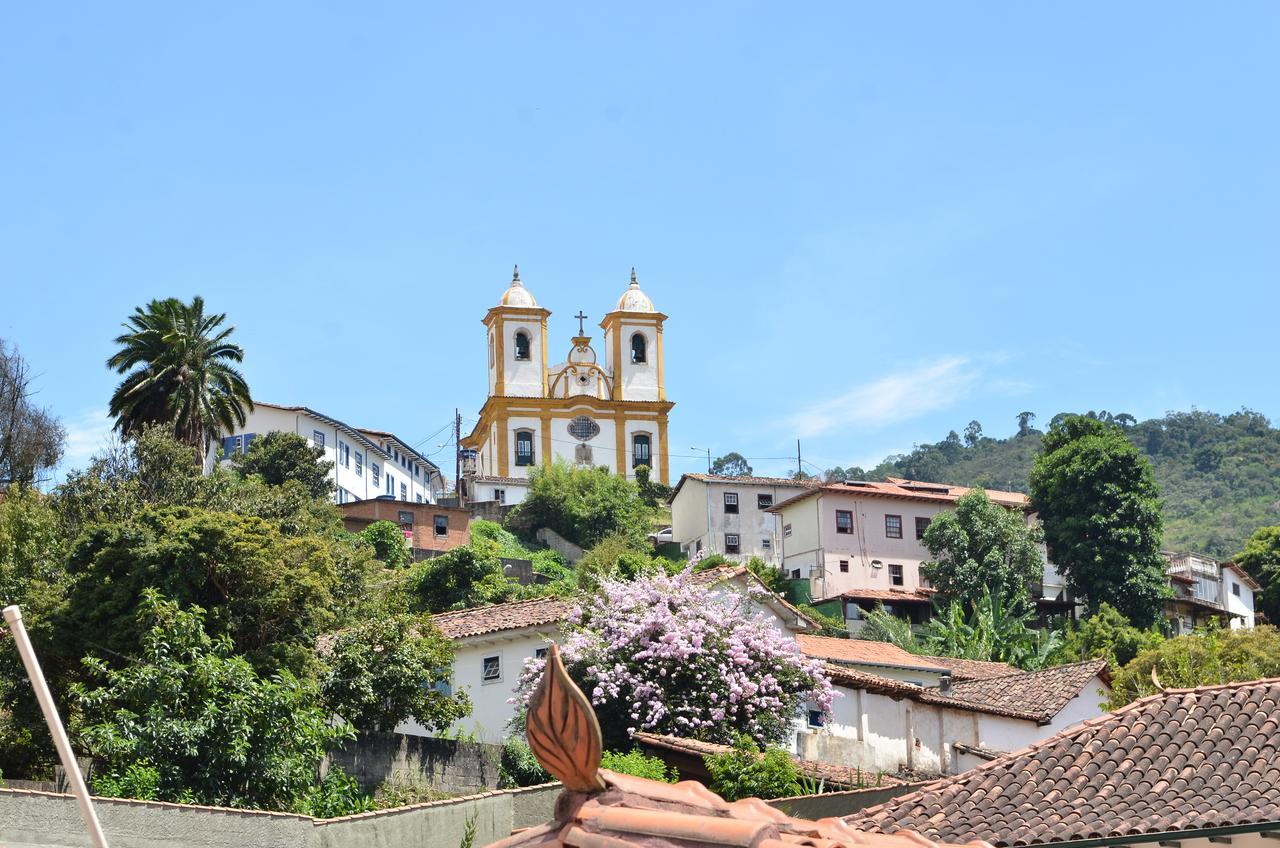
(13, 615)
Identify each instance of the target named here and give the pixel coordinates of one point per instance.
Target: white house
(492, 644)
(730, 515)
(883, 724)
(1205, 589)
(590, 410)
(366, 463)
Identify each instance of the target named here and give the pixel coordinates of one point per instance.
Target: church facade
(589, 410)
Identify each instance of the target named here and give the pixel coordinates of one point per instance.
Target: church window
(522, 345)
(638, 348)
(640, 450)
(524, 447)
(583, 428)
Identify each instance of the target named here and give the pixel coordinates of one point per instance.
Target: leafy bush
(519, 767)
(1105, 635)
(140, 781)
(582, 505)
(389, 543)
(1204, 658)
(338, 794)
(401, 790)
(637, 764)
(278, 457)
(991, 633)
(746, 772)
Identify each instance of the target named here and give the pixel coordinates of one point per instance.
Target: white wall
(759, 532)
(1240, 606)
(522, 378)
(639, 380)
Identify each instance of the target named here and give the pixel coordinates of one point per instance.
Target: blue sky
(868, 223)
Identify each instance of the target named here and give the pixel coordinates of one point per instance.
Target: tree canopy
(1101, 514)
(31, 438)
(277, 457)
(732, 464)
(583, 505)
(1204, 658)
(1261, 559)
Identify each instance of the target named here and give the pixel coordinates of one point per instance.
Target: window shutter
(227, 446)
(248, 440)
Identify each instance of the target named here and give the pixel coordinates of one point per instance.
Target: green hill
(1219, 475)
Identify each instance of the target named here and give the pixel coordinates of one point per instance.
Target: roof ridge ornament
(515, 277)
(562, 729)
(635, 284)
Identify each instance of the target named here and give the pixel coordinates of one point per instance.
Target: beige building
(588, 410)
(730, 515)
(861, 541)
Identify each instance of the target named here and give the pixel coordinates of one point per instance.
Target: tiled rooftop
(901, 489)
(923, 596)
(1182, 760)
(971, 669)
(498, 617)
(862, 651)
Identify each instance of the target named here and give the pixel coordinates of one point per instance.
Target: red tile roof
(862, 651)
(499, 617)
(831, 774)
(1177, 762)
(1033, 695)
(901, 489)
(898, 596)
(852, 678)
(972, 669)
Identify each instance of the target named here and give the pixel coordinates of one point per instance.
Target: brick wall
(360, 514)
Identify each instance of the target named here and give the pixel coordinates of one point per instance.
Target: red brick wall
(360, 514)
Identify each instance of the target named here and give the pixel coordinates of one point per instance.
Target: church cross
(580, 318)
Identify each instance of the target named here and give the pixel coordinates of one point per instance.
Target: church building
(588, 410)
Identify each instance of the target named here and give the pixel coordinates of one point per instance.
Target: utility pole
(457, 455)
(799, 465)
(708, 460)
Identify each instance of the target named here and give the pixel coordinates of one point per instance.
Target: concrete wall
(449, 765)
(759, 532)
(835, 804)
(46, 820)
(571, 552)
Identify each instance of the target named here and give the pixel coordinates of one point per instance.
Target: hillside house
(429, 529)
(1206, 590)
(730, 515)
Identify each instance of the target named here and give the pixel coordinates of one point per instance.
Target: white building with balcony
(366, 463)
(1205, 589)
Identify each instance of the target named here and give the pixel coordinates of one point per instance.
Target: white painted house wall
(700, 522)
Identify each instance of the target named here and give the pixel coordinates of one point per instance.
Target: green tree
(1024, 423)
(744, 771)
(615, 557)
(880, 625)
(982, 548)
(1101, 514)
(468, 576)
(390, 669)
(1105, 635)
(582, 505)
(990, 631)
(278, 456)
(638, 764)
(972, 434)
(389, 544)
(31, 439)
(179, 373)
(1261, 559)
(732, 464)
(1203, 658)
(211, 729)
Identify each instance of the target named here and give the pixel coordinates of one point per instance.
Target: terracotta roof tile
(972, 669)
(499, 617)
(901, 489)
(862, 651)
(924, 596)
(1181, 760)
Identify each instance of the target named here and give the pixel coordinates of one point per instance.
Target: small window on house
(376, 471)
(406, 517)
(731, 502)
(1235, 589)
(895, 574)
(418, 498)
(539, 653)
(491, 669)
(500, 495)
(731, 543)
(795, 574)
(844, 566)
(893, 526)
(317, 438)
(442, 525)
(786, 530)
(638, 348)
(844, 521)
(815, 718)
(524, 447)
(764, 501)
(359, 464)
(391, 485)
(344, 454)
(522, 346)
(640, 450)
(767, 544)
(404, 492)
(922, 524)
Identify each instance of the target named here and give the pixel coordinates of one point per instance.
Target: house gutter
(1270, 830)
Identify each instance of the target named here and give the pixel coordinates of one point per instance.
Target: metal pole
(13, 616)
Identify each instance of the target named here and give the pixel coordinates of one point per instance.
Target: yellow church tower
(584, 410)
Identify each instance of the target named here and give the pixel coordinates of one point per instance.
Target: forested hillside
(1219, 475)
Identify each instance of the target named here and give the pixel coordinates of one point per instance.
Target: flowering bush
(673, 655)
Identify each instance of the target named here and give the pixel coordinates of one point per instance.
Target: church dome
(634, 300)
(517, 294)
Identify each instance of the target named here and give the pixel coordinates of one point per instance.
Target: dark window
(895, 574)
(844, 566)
(922, 524)
(442, 525)
(893, 526)
(1235, 589)
(404, 493)
(540, 653)
(491, 669)
(640, 450)
(731, 502)
(795, 574)
(524, 447)
(815, 718)
(844, 521)
(786, 530)
(731, 543)
(317, 438)
(522, 346)
(377, 474)
(638, 348)
(406, 517)
(500, 495)
(766, 543)
(764, 501)
(359, 464)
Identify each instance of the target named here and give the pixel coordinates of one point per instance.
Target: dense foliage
(1261, 559)
(639, 764)
(278, 457)
(982, 548)
(732, 464)
(198, 724)
(1218, 474)
(669, 655)
(1107, 635)
(1203, 658)
(745, 771)
(584, 505)
(1101, 515)
(389, 543)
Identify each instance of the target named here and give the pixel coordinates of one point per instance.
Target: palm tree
(182, 377)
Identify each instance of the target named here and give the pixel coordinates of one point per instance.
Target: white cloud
(897, 397)
(86, 435)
